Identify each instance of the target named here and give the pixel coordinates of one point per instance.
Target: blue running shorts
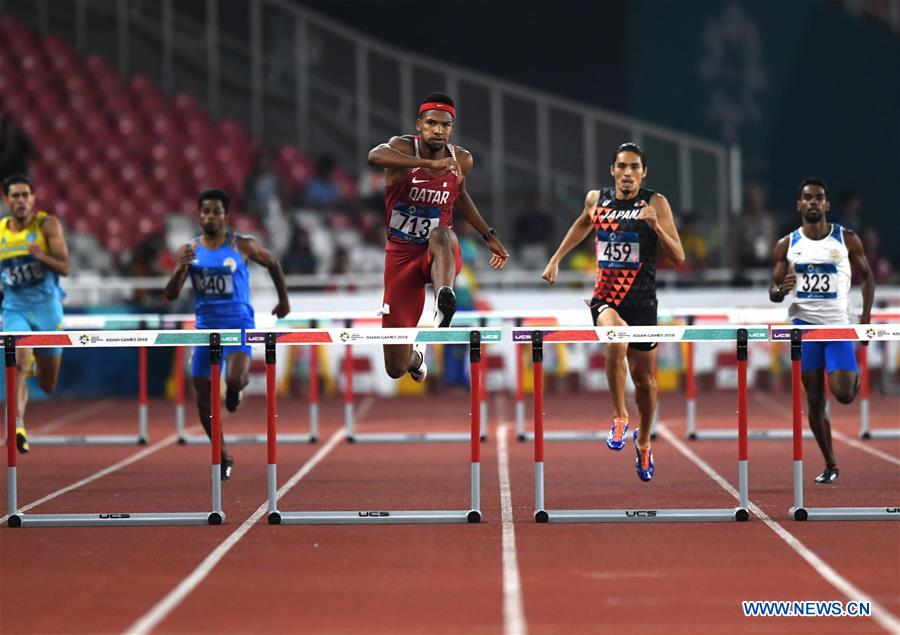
(831, 356)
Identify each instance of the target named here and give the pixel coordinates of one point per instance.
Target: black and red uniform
(626, 261)
(414, 207)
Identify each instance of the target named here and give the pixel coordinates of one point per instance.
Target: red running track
(587, 578)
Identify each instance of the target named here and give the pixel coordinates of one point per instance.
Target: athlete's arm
(658, 216)
(466, 207)
(262, 256)
(57, 256)
(577, 232)
(860, 266)
(783, 278)
(396, 157)
(184, 256)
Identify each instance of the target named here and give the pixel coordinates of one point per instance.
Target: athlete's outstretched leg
(23, 370)
(616, 376)
(236, 378)
(204, 410)
(844, 385)
(819, 423)
(641, 364)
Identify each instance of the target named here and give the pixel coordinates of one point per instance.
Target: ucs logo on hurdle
(373, 514)
(640, 513)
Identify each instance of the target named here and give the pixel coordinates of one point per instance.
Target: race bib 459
(618, 250)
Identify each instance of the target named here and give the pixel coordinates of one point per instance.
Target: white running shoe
(419, 374)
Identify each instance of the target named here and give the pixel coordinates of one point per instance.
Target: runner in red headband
(425, 176)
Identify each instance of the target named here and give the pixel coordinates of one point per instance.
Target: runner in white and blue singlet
(216, 262)
(813, 264)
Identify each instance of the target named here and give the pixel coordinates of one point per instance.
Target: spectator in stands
(533, 233)
(340, 266)
(150, 258)
(322, 190)
(371, 194)
(262, 187)
(753, 234)
(696, 248)
(15, 147)
(849, 210)
(881, 267)
(299, 257)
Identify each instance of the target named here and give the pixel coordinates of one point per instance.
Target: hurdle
(311, 437)
(375, 337)
(741, 335)
(865, 429)
(102, 322)
(796, 335)
(772, 316)
(84, 339)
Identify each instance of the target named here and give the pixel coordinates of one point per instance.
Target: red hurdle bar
(215, 395)
(9, 347)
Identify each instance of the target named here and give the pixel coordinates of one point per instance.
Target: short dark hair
(811, 180)
(14, 179)
(441, 98)
(214, 194)
(630, 146)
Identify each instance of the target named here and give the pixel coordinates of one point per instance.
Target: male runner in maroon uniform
(631, 224)
(425, 177)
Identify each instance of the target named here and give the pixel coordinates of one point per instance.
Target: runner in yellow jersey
(33, 255)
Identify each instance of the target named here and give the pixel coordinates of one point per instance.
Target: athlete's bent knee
(644, 383)
(394, 369)
(441, 237)
(47, 384)
(616, 352)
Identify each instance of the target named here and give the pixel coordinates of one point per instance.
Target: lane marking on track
(840, 436)
(162, 609)
(152, 618)
(859, 445)
(881, 615)
(134, 458)
(69, 417)
(514, 622)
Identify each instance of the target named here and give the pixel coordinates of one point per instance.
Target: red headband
(436, 105)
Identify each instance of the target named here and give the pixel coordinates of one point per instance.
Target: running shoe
(227, 467)
(643, 464)
(232, 399)
(444, 307)
(829, 476)
(419, 373)
(615, 440)
(22, 441)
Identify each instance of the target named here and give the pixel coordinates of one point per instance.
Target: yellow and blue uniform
(221, 283)
(32, 297)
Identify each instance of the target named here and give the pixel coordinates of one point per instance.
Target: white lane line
(840, 436)
(72, 416)
(75, 415)
(134, 458)
(513, 607)
(859, 445)
(881, 615)
(152, 618)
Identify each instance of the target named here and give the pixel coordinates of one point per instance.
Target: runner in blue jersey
(216, 262)
(33, 255)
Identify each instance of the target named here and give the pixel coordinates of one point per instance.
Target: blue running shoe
(615, 440)
(643, 464)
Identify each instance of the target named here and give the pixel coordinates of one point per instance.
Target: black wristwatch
(487, 235)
